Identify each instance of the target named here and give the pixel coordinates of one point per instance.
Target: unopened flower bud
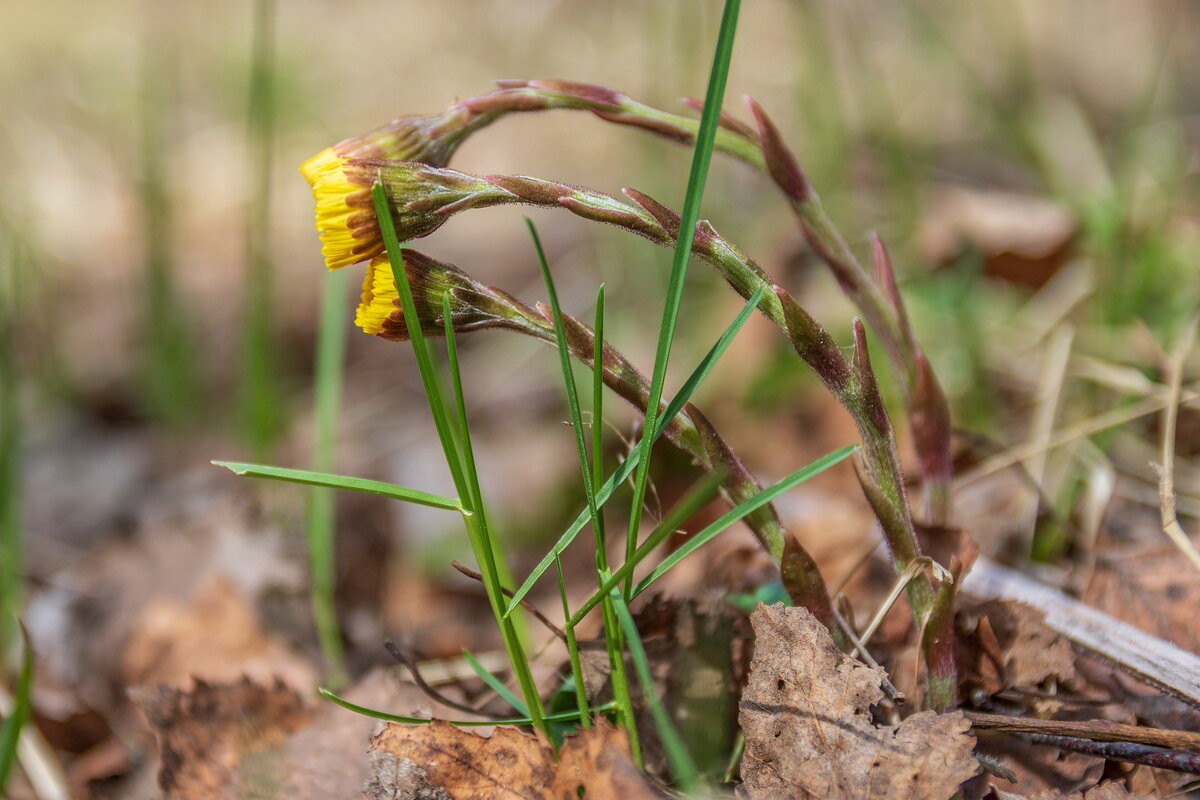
(472, 304)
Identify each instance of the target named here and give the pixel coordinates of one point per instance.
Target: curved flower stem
(474, 305)
(425, 197)
(764, 149)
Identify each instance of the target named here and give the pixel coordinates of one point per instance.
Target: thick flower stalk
(475, 306)
(432, 140)
(763, 148)
(423, 198)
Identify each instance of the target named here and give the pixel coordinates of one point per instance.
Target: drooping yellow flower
(345, 221)
(379, 311)
(472, 304)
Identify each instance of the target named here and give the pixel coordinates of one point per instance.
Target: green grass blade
(170, 379)
(498, 563)
(310, 478)
(564, 358)
(463, 429)
(495, 684)
(416, 337)
(614, 643)
(701, 157)
(12, 550)
(695, 499)
(630, 462)
(10, 733)
(742, 509)
(581, 700)
(598, 423)
(483, 541)
(568, 716)
(322, 501)
(682, 766)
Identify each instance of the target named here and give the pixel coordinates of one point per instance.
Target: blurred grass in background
(168, 265)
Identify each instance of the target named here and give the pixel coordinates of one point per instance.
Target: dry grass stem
(37, 759)
(1051, 379)
(1085, 427)
(1166, 470)
(915, 568)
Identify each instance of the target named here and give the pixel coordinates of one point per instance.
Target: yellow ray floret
(380, 307)
(349, 232)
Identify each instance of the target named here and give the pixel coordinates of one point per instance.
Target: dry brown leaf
(1023, 239)
(1005, 644)
(809, 732)
(218, 739)
(224, 741)
(216, 638)
(1153, 590)
(440, 760)
(1105, 791)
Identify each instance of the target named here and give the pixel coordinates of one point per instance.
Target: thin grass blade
(741, 510)
(682, 765)
(598, 423)
(630, 462)
(416, 337)
(564, 357)
(10, 733)
(568, 716)
(581, 700)
(310, 478)
(701, 157)
(495, 684)
(695, 499)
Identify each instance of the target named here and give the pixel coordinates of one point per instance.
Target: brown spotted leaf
(225, 741)
(441, 760)
(243, 740)
(809, 732)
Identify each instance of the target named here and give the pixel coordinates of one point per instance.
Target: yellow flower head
(379, 312)
(345, 220)
(472, 304)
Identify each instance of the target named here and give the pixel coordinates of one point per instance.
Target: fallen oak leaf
(805, 716)
(594, 763)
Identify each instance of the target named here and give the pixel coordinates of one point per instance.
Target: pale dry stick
(914, 568)
(37, 758)
(1166, 471)
(1117, 377)
(1052, 305)
(1087, 427)
(1051, 378)
(894, 694)
(1147, 495)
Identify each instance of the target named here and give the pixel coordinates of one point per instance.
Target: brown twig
(1100, 730)
(525, 604)
(1130, 752)
(425, 687)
